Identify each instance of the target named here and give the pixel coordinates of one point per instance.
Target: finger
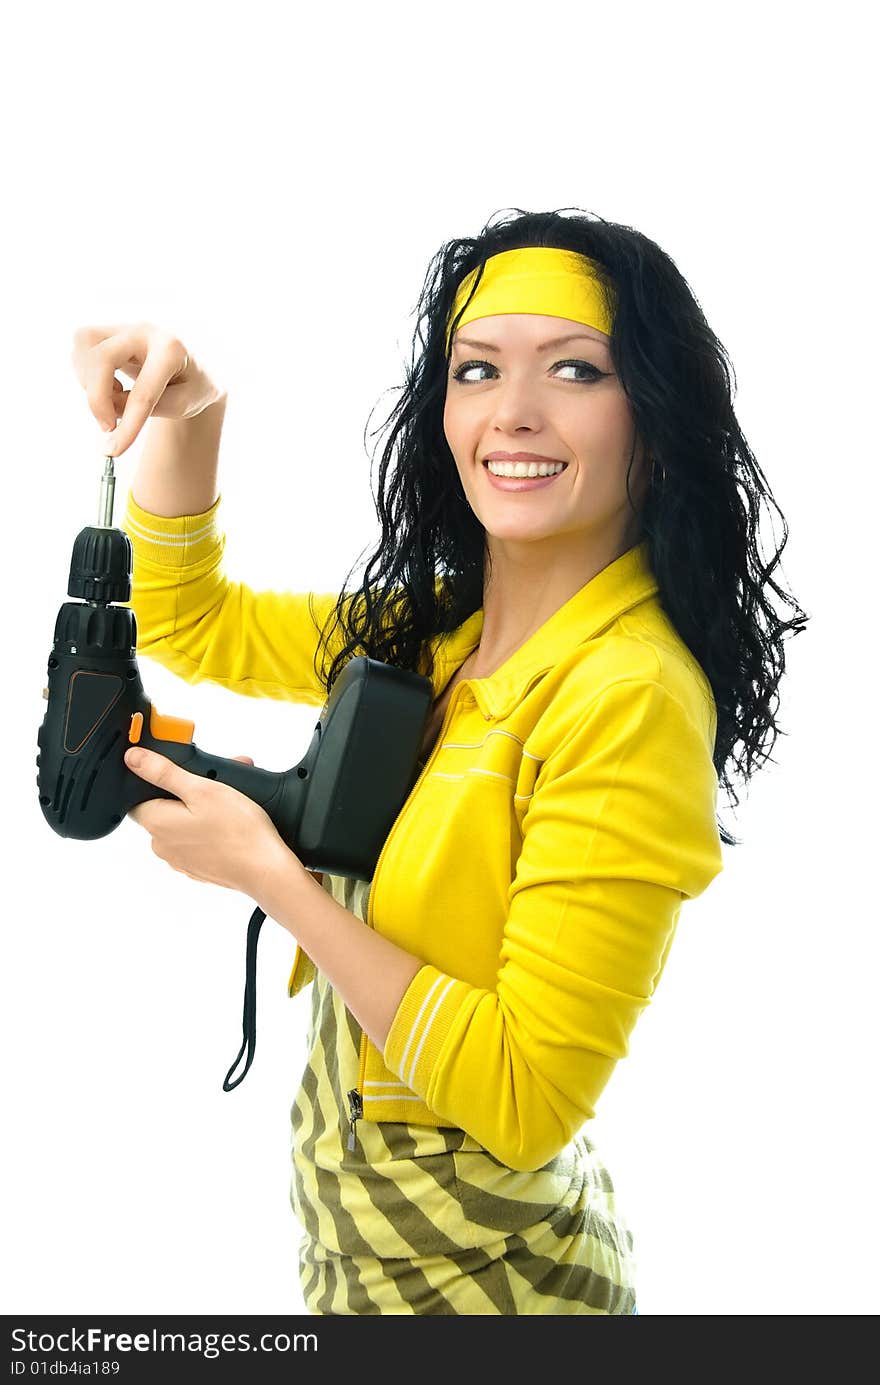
(84, 358)
(158, 369)
(119, 400)
(153, 814)
(152, 358)
(90, 336)
(243, 759)
(84, 339)
(158, 769)
(97, 372)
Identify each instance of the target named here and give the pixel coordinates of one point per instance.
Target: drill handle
(276, 792)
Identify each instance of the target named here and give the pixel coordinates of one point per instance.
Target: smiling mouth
(524, 470)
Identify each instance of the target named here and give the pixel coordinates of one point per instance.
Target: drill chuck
(101, 564)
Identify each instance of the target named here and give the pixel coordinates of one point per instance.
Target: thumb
(243, 759)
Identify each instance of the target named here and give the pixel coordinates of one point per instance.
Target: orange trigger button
(170, 728)
(137, 726)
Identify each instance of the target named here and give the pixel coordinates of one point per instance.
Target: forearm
(177, 470)
(370, 973)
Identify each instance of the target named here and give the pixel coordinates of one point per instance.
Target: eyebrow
(557, 341)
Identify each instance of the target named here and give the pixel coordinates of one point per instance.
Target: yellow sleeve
(203, 627)
(621, 828)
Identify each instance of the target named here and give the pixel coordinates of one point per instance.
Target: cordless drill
(334, 808)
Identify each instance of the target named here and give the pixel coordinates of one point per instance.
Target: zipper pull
(356, 1110)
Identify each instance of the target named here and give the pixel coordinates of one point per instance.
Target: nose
(516, 404)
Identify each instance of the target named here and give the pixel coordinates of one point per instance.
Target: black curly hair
(700, 514)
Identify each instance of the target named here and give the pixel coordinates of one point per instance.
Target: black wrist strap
(249, 1017)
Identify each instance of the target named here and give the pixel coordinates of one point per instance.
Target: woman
(596, 628)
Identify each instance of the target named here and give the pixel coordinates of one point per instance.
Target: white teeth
(525, 468)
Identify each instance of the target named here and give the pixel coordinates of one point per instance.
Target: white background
(270, 185)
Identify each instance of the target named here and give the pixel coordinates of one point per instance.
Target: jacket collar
(621, 585)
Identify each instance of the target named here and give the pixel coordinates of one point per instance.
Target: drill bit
(108, 486)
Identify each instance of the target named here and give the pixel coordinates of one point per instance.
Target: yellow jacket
(538, 866)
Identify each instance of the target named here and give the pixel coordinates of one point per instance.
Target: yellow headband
(535, 279)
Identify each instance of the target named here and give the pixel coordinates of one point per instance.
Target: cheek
(604, 433)
(456, 429)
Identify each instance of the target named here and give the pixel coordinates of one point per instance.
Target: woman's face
(510, 390)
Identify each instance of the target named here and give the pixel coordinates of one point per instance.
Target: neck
(529, 582)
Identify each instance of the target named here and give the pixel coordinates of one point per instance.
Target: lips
(522, 483)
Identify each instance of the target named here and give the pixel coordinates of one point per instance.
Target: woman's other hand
(169, 382)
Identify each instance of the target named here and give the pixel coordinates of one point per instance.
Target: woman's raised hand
(169, 383)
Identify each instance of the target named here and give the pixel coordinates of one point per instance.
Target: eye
(593, 372)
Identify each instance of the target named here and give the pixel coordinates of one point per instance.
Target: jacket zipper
(355, 1098)
(356, 1110)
